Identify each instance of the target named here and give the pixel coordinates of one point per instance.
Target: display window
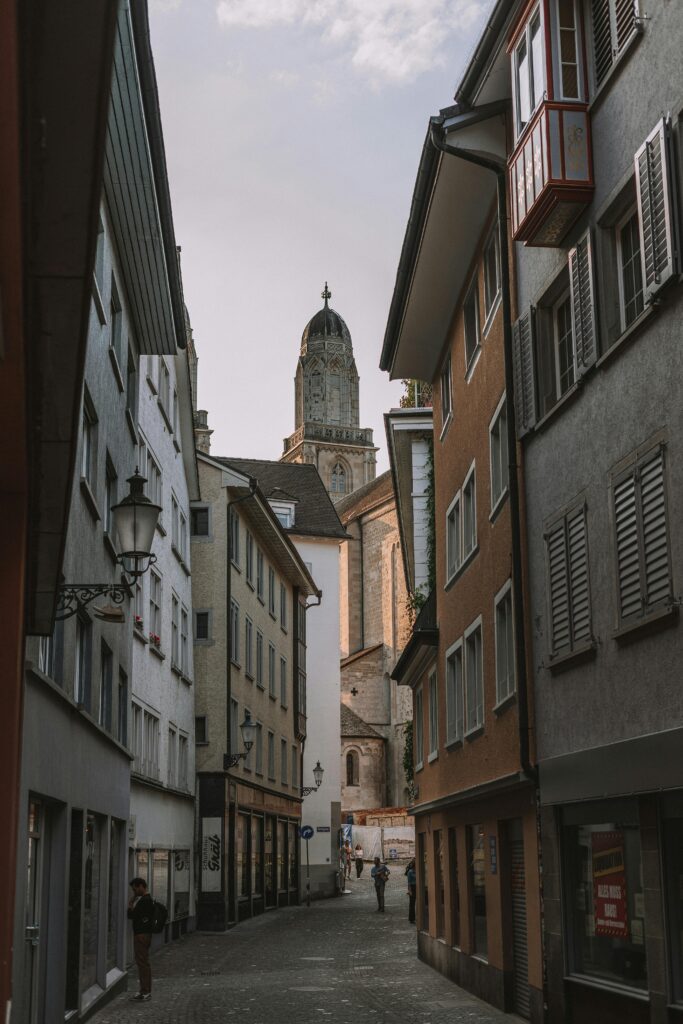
(477, 866)
(243, 888)
(673, 877)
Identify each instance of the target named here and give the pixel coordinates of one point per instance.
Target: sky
(293, 131)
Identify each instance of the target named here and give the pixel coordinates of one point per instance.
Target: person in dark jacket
(412, 890)
(141, 912)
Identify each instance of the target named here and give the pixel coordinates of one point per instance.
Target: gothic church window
(352, 768)
(338, 480)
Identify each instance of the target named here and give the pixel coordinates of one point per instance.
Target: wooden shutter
(558, 589)
(583, 303)
(614, 22)
(654, 528)
(629, 586)
(579, 589)
(656, 209)
(524, 374)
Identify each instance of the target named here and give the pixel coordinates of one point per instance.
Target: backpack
(159, 917)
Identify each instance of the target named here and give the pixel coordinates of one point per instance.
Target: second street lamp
(318, 776)
(248, 729)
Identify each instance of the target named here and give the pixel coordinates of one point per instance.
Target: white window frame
(418, 730)
(175, 630)
(156, 594)
(472, 360)
(452, 565)
(446, 379)
(433, 684)
(491, 302)
(453, 698)
(234, 632)
(184, 641)
(510, 677)
(471, 629)
(249, 558)
(172, 758)
(525, 36)
(234, 527)
(564, 297)
(272, 692)
(183, 760)
(498, 499)
(470, 475)
(248, 647)
(618, 228)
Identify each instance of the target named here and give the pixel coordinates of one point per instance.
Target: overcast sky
(293, 130)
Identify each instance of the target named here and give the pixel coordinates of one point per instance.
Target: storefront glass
(181, 884)
(243, 888)
(673, 867)
(160, 876)
(423, 876)
(477, 867)
(75, 904)
(256, 856)
(455, 886)
(114, 896)
(439, 893)
(291, 855)
(94, 836)
(269, 861)
(604, 896)
(281, 855)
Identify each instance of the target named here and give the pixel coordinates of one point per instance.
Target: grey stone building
(327, 432)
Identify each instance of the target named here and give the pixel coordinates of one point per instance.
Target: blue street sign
(306, 832)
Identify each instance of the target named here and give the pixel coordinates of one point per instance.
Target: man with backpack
(141, 913)
(380, 876)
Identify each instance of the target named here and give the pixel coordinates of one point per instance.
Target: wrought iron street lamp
(318, 777)
(134, 520)
(248, 729)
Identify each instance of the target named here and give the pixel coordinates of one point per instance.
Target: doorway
(37, 909)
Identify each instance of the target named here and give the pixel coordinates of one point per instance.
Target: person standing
(380, 875)
(141, 912)
(358, 854)
(412, 890)
(347, 858)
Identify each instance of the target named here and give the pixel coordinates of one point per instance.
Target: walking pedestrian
(358, 854)
(412, 890)
(379, 874)
(347, 858)
(141, 912)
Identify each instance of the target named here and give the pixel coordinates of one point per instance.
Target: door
(520, 957)
(37, 860)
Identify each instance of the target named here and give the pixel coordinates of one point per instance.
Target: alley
(338, 961)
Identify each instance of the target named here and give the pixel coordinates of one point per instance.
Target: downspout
(499, 168)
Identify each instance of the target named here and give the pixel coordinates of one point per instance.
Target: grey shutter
(625, 22)
(558, 590)
(656, 209)
(524, 374)
(655, 534)
(577, 550)
(614, 22)
(583, 303)
(628, 547)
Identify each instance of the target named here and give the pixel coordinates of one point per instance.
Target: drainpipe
(499, 168)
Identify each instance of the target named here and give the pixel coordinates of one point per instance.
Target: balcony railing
(551, 174)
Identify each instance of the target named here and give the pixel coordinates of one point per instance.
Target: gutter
(438, 134)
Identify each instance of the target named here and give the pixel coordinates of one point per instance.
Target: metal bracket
(75, 597)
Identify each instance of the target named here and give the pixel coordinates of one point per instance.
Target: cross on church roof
(326, 293)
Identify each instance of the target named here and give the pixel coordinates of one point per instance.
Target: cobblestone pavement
(337, 962)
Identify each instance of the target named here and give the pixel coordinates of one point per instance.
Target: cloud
(287, 79)
(387, 40)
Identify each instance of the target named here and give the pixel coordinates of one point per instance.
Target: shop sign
(609, 884)
(211, 854)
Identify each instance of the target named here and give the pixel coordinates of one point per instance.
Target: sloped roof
(353, 725)
(366, 497)
(316, 516)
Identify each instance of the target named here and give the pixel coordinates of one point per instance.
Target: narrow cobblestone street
(339, 961)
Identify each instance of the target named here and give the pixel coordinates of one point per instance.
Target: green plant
(408, 759)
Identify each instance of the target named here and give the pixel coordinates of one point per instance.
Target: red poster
(609, 885)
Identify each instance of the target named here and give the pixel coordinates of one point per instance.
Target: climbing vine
(408, 759)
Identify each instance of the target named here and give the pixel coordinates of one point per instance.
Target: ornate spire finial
(326, 293)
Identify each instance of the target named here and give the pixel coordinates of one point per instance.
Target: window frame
(470, 476)
(234, 632)
(455, 651)
(565, 297)
(491, 300)
(472, 296)
(631, 213)
(418, 730)
(433, 731)
(498, 499)
(446, 392)
(454, 508)
(248, 647)
(524, 37)
(471, 732)
(505, 594)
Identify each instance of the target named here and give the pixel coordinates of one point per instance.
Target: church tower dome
(326, 416)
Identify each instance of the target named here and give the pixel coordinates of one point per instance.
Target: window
(174, 417)
(259, 574)
(614, 23)
(491, 270)
(352, 772)
(182, 535)
(174, 522)
(655, 178)
(51, 653)
(568, 77)
(469, 513)
(338, 479)
(433, 716)
(283, 682)
(110, 481)
(271, 591)
(474, 679)
(284, 512)
(271, 671)
(172, 771)
(249, 548)
(446, 394)
(569, 605)
(259, 749)
(89, 443)
(106, 687)
(201, 731)
(116, 321)
(454, 694)
(418, 738)
(528, 71)
(136, 717)
(563, 340)
(165, 389)
(455, 885)
(234, 726)
(155, 607)
(149, 468)
(283, 606)
(234, 537)
(182, 761)
(505, 644)
(184, 645)
(630, 270)
(199, 522)
(271, 756)
(175, 631)
(471, 323)
(439, 888)
(99, 257)
(498, 446)
(453, 538)
(83, 661)
(295, 767)
(234, 633)
(477, 872)
(248, 647)
(201, 626)
(259, 658)
(642, 547)
(284, 759)
(122, 724)
(131, 383)
(150, 763)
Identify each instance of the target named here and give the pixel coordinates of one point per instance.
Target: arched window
(352, 768)
(338, 480)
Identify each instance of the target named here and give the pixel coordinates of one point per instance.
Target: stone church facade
(327, 432)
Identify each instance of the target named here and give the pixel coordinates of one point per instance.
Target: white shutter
(524, 375)
(558, 590)
(577, 550)
(655, 535)
(656, 209)
(583, 303)
(628, 548)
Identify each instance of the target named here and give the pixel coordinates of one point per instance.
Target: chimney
(202, 433)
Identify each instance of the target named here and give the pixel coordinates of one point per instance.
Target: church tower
(326, 407)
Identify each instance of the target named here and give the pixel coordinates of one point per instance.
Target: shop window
(281, 852)
(92, 883)
(291, 855)
(455, 885)
(243, 886)
(114, 895)
(160, 876)
(477, 880)
(257, 853)
(423, 877)
(181, 884)
(605, 902)
(439, 887)
(673, 874)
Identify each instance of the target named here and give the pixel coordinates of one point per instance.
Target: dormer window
(284, 510)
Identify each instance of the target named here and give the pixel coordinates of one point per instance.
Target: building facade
(327, 412)
(250, 589)
(374, 626)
